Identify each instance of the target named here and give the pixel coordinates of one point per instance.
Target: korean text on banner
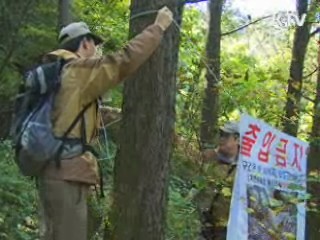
(268, 199)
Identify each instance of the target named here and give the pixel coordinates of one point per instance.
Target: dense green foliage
(19, 207)
(17, 201)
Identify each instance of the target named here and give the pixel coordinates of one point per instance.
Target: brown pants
(213, 234)
(63, 210)
(208, 230)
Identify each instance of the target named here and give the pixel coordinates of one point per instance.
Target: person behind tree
(219, 169)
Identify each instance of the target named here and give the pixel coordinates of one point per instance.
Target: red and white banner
(269, 192)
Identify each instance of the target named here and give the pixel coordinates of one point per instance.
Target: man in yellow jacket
(63, 191)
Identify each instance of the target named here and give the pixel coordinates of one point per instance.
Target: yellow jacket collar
(67, 55)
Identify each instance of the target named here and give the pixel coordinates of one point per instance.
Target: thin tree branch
(246, 25)
(310, 74)
(314, 32)
(193, 1)
(307, 98)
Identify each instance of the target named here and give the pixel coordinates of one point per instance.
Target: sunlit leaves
(109, 19)
(226, 191)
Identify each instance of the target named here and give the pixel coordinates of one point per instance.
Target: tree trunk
(210, 109)
(14, 15)
(142, 164)
(301, 39)
(65, 13)
(313, 219)
(5, 117)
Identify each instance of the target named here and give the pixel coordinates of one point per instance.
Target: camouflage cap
(231, 127)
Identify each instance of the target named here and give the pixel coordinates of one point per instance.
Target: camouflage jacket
(215, 196)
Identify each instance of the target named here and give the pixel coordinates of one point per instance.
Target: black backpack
(33, 139)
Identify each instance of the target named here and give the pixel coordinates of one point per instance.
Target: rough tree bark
(301, 39)
(142, 163)
(210, 109)
(313, 218)
(65, 13)
(13, 17)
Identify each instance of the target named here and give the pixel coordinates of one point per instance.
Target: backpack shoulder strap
(69, 129)
(75, 121)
